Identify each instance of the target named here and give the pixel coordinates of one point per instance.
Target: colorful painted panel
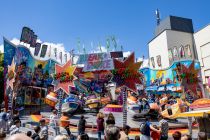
(156, 78)
(29, 70)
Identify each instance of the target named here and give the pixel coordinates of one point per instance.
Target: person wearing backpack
(145, 129)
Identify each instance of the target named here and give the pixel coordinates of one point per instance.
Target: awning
(199, 113)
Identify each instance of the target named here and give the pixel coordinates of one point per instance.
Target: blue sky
(132, 22)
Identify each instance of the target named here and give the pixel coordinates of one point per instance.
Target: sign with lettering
(98, 61)
(28, 36)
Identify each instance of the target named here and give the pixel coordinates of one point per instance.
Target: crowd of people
(106, 129)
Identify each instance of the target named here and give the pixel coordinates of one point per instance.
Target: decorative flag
(84, 50)
(107, 43)
(121, 48)
(43, 51)
(114, 42)
(100, 47)
(78, 45)
(63, 77)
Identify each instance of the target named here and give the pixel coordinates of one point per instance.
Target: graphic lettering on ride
(98, 61)
(28, 36)
(125, 73)
(63, 77)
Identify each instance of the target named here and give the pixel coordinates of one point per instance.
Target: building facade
(202, 42)
(173, 42)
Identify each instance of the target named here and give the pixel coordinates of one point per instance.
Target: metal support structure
(125, 107)
(60, 98)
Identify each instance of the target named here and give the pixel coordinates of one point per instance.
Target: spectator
(163, 128)
(14, 129)
(2, 134)
(137, 138)
(81, 125)
(202, 136)
(19, 136)
(64, 124)
(186, 137)
(155, 135)
(177, 135)
(61, 137)
(124, 133)
(3, 119)
(110, 120)
(83, 137)
(145, 129)
(36, 136)
(16, 116)
(112, 133)
(54, 121)
(100, 124)
(44, 130)
(29, 133)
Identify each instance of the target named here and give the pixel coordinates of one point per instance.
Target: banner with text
(98, 61)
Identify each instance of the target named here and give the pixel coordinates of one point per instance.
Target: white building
(202, 42)
(173, 41)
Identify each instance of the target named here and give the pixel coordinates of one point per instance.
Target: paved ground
(91, 122)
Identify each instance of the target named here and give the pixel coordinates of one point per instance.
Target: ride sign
(98, 61)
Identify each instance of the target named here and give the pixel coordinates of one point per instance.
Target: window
(188, 51)
(181, 52)
(170, 56)
(153, 62)
(175, 53)
(158, 60)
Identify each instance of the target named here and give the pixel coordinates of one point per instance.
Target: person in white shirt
(54, 121)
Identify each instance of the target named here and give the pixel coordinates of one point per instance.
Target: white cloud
(1, 48)
(14, 41)
(126, 54)
(145, 62)
(99, 50)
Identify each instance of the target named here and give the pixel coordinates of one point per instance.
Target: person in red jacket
(100, 124)
(155, 135)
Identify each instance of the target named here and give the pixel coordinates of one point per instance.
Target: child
(155, 135)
